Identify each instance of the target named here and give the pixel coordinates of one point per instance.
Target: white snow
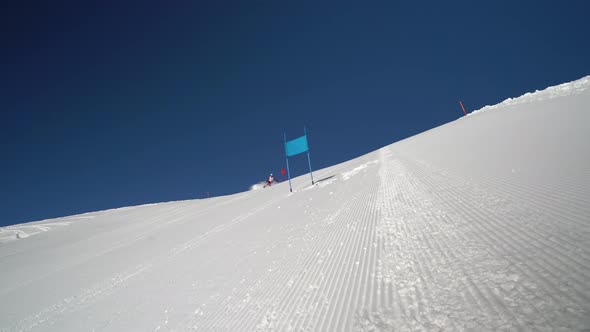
(562, 90)
(354, 171)
(480, 224)
(258, 186)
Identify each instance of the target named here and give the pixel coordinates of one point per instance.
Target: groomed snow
(480, 224)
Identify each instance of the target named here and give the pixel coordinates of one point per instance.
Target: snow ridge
(562, 90)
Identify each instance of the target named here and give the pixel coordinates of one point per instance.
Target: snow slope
(480, 224)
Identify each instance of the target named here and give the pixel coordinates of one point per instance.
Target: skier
(269, 180)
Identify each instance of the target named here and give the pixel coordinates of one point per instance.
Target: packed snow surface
(480, 224)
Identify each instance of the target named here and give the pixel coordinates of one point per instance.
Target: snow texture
(258, 186)
(481, 224)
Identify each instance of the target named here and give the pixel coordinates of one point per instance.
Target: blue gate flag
(296, 146)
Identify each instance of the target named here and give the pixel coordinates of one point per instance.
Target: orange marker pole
(463, 108)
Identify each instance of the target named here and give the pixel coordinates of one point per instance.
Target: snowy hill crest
(562, 90)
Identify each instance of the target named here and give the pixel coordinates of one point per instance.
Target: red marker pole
(463, 108)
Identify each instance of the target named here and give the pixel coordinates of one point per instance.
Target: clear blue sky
(116, 103)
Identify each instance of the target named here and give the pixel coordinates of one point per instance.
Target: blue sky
(106, 105)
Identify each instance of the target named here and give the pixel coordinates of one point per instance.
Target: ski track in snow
(512, 274)
(90, 295)
(10, 233)
(396, 240)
